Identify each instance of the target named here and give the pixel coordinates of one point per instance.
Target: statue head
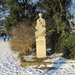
(40, 15)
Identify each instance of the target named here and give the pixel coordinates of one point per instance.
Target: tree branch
(60, 3)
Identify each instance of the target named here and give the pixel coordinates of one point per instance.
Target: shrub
(68, 46)
(24, 38)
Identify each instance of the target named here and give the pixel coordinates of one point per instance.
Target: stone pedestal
(41, 47)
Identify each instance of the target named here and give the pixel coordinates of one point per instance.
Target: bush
(68, 46)
(24, 38)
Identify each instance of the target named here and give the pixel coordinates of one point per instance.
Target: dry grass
(39, 59)
(24, 38)
(33, 63)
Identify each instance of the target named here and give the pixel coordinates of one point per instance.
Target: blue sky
(6, 14)
(34, 1)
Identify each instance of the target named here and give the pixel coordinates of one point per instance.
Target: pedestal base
(41, 47)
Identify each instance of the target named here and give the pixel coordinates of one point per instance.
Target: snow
(10, 65)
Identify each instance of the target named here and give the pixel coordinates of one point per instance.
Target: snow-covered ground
(9, 64)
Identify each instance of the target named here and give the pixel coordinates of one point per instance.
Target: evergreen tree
(19, 12)
(2, 7)
(3, 11)
(13, 17)
(57, 22)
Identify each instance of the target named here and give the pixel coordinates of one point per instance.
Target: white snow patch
(10, 65)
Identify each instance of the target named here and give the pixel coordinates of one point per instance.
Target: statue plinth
(41, 47)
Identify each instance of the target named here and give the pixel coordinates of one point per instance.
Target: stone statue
(40, 27)
(40, 37)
